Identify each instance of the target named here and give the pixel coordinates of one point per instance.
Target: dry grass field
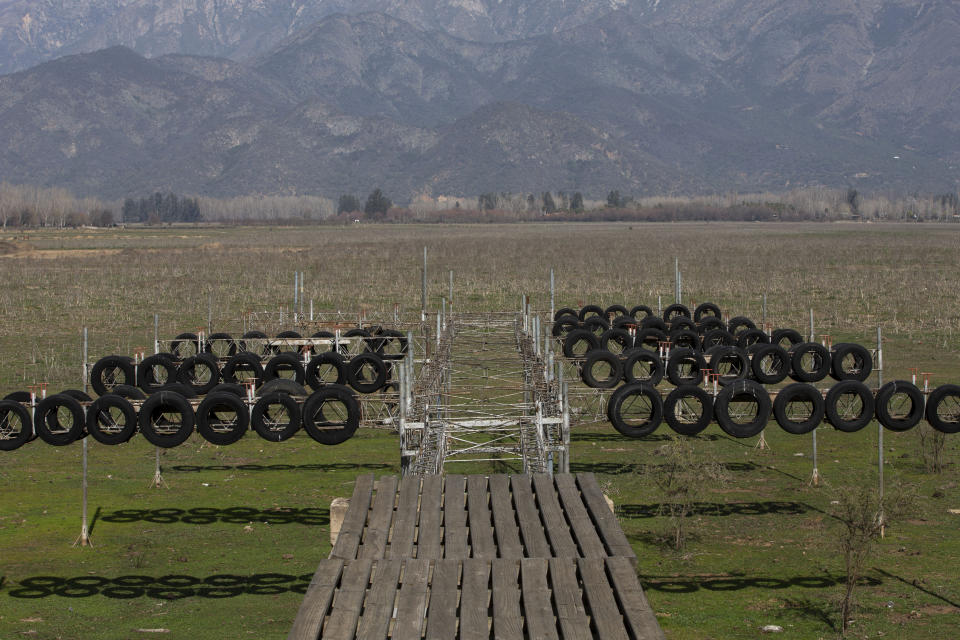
(225, 552)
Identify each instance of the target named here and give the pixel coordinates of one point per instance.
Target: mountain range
(228, 97)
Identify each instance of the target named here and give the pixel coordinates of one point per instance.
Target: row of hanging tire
(330, 415)
(366, 372)
(637, 409)
(631, 350)
(389, 343)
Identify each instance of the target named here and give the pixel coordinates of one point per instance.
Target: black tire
(184, 390)
(366, 372)
(77, 395)
(110, 371)
(155, 371)
(738, 391)
(624, 322)
(579, 342)
(635, 410)
(594, 364)
(331, 415)
(850, 361)
(809, 362)
(254, 342)
(849, 406)
(322, 335)
(273, 424)
(749, 337)
(241, 367)
(214, 423)
(688, 409)
(230, 387)
(321, 366)
(201, 373)
(718, 337)
(160, 430)
(893, 417)
(709, 324)
(740, 323)
(596, 324)
(616, 311)
(706, 310)
(565, 311)
(220, 345)
(18, 396)
(729, 363)
(643, 366)
(675, 309)
(15, 426)
(616, 340)
(288, 348)
(392, 345)
(129, 392)
(283, 385)
(284, 363)
(685, 366)
(685, 339)
(564, 325)
(590, 311)
(943, 408)
(650, 339)
(682, 322)
(786, 338)
(184, 346)
(111, 420)
(359, 333)
(653, 322)
(47, 424)
(791, 394)
(642, 309)
(770, 364)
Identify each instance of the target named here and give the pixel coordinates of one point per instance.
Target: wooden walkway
(478, 557)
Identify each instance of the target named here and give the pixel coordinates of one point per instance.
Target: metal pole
(84, 539)
(880, 516)
(423, 289)
(311, 309)
(811, 325)
(156, 333)
(815, 478)
(296, 289)
(301, 293)
(764, 312)
(679, 287)
(209, 313)
(451, 286)
(552, 295)
(676, 279)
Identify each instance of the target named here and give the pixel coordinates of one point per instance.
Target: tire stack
(219, 387)
(634, 350)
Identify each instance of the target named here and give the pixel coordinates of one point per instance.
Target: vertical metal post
(552, 295)
(423, 289)
(659, 305)
(451, 286)
(84, 539)
(301, 294)
(209, 313)
(880, 516)
(815, 478)
(156, 333)
(676, 279)
(811, 325)
(764, 310)
(296, 289)
(679, 287)
(311, 309)
(565, 429)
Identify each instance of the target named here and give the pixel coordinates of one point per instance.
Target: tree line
(162, 207)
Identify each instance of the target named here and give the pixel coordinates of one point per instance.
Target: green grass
(764, 548)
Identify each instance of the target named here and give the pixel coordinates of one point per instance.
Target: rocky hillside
(658, 96)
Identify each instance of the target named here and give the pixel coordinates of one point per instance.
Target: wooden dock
(478, 557)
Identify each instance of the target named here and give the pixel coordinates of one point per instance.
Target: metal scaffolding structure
(488, 393)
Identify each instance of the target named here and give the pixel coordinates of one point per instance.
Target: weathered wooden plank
(444, 597)
(428, 527)
(405, 519)
(375, 536)
(351, 531)
(378, 606)
(504, 518)
(412, 601)
(316, 602)
(531, 528)
(505, 593)
(571, 614)
(603, 607)
(606, 522)
(482, 544)
(474, 599)
(455, 533)
(638, 615)
(554, 523)
(587, 539)
(537, 608)
(345, 613)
